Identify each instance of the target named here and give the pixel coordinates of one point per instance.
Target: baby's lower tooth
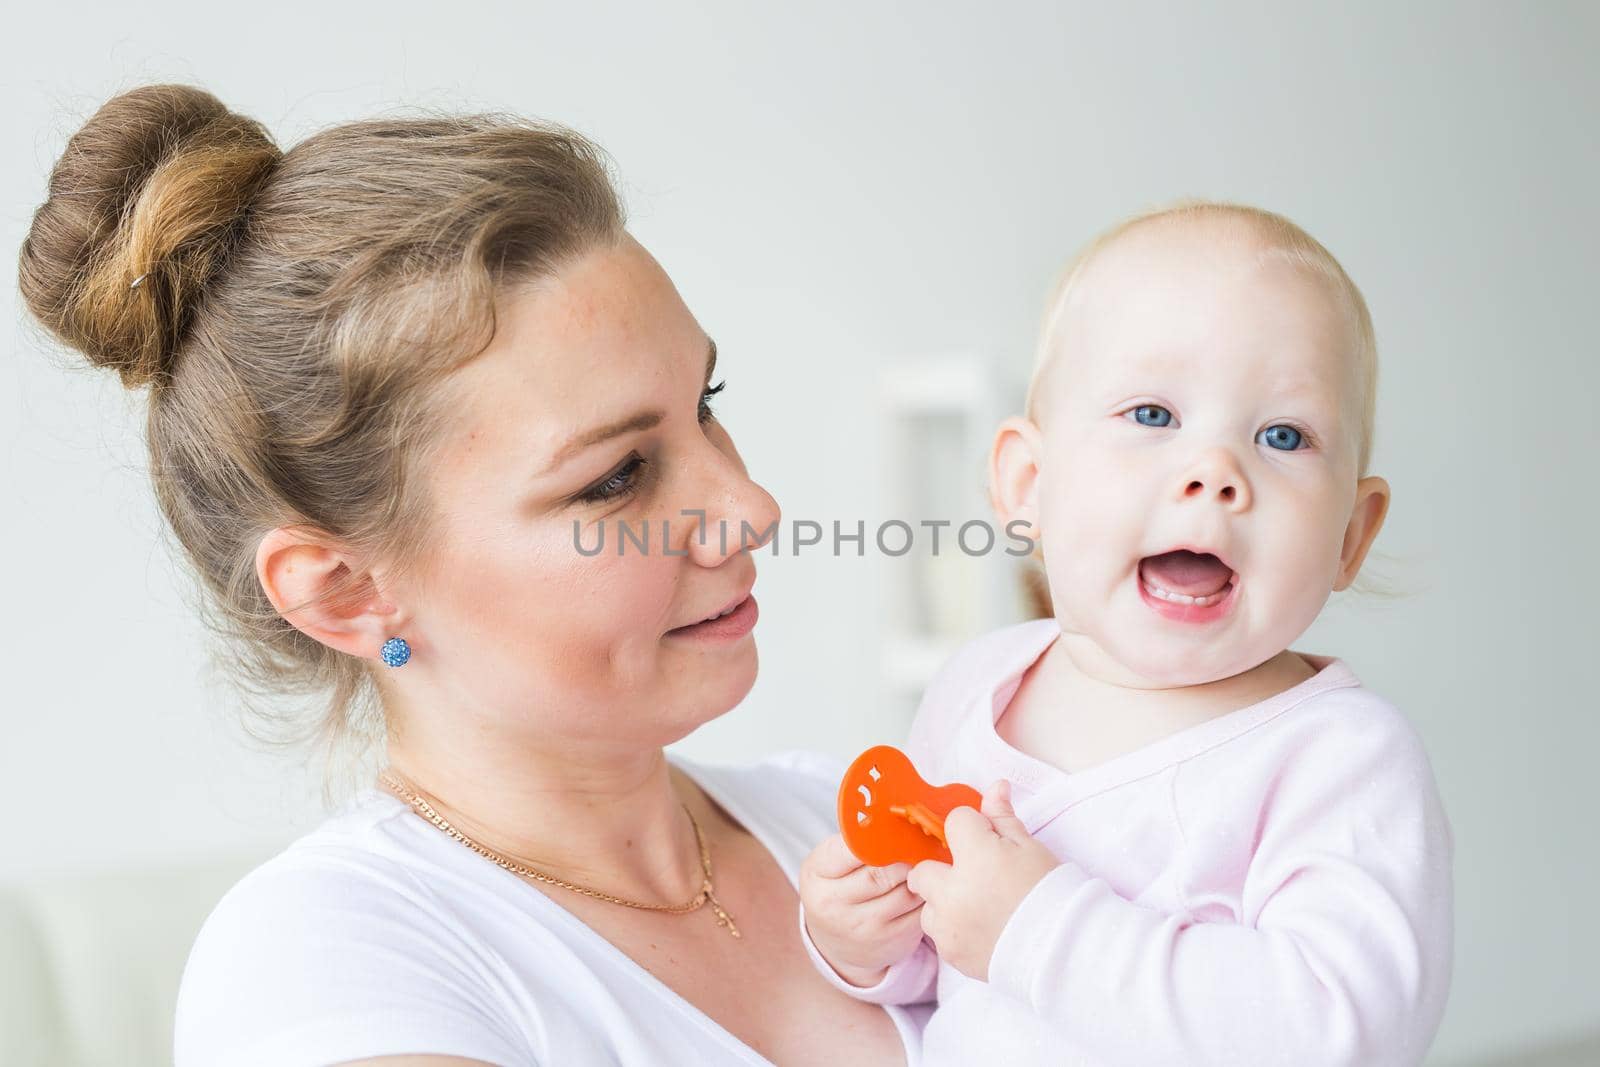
(1180, 598)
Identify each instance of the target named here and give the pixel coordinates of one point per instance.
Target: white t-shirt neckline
(709, 779)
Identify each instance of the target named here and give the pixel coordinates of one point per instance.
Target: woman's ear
(1366, 519)
(1014, 473)
(308, 579)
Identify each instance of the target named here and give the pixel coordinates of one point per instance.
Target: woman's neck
(612, 821)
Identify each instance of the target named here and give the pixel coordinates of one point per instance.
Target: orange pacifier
(889, 815)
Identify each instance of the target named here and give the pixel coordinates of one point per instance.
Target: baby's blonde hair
(1280, 238)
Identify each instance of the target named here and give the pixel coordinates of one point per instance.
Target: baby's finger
(832, 858)
(868, 883)
(964, 829)
(892, 905)
(928, 878)
(876, 881)
(893, 929)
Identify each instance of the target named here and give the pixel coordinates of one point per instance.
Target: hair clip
(137, 280)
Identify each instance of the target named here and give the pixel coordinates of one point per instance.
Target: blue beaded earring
(395, 651)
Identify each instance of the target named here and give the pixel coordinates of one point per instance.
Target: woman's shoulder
(312, 950)
(355, 851)
(330, 887)
(345, 849)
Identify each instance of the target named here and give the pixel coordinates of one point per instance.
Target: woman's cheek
(633, 588)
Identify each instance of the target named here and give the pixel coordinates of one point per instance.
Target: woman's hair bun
(144, 205)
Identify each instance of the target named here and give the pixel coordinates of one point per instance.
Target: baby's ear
(1014, 473)
(1366, 519)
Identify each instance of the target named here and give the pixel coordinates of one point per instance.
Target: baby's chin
(1192, 671)
(1154, 660)
(1126, 640)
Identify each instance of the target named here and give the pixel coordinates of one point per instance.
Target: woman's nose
(1215, 475)
(738, 513)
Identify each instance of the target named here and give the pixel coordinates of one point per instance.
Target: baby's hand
(862, 919)
(969, 901)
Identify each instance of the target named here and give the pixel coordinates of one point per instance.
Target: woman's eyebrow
(642, 420)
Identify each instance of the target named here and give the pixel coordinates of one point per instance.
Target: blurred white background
(842, 188)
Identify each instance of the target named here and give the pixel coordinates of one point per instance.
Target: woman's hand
(968, 902)
(862, 919)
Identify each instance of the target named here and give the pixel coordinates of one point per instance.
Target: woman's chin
(715, 695)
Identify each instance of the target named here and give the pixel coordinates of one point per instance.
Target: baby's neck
(1067, 717)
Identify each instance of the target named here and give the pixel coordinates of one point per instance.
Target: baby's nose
(1217, 476)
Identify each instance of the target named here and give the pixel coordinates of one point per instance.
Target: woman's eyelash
(618, 483)
(622, 481)
(706, 414)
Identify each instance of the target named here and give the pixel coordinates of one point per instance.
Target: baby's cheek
(1286, 593)
(1307, 545)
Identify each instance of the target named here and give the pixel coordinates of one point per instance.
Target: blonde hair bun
(144, 205)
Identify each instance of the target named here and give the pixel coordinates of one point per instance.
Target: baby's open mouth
(1185, 577)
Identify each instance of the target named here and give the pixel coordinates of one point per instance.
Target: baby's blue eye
(1155, 411)
(1284, 438)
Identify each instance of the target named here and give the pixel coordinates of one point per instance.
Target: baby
(1219, 850)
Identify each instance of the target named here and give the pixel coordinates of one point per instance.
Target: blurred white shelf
(938, 383)
(940, 412)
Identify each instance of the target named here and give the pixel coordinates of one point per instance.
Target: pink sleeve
(911, 981)
(1342, 956)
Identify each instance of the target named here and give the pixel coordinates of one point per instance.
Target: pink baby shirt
(1272, 886)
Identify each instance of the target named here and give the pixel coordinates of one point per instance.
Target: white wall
(834, 187)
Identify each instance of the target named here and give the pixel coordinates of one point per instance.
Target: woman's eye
(706, 414)
(1282, 437)
(625, 479)
(1151, 415)
(618, 483)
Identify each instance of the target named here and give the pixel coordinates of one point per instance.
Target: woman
(404, 378)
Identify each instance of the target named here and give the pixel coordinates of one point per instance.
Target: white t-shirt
(376, 934)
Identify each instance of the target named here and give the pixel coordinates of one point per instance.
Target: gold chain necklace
(703, 897)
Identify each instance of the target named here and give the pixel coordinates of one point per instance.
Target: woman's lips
(738, 622)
